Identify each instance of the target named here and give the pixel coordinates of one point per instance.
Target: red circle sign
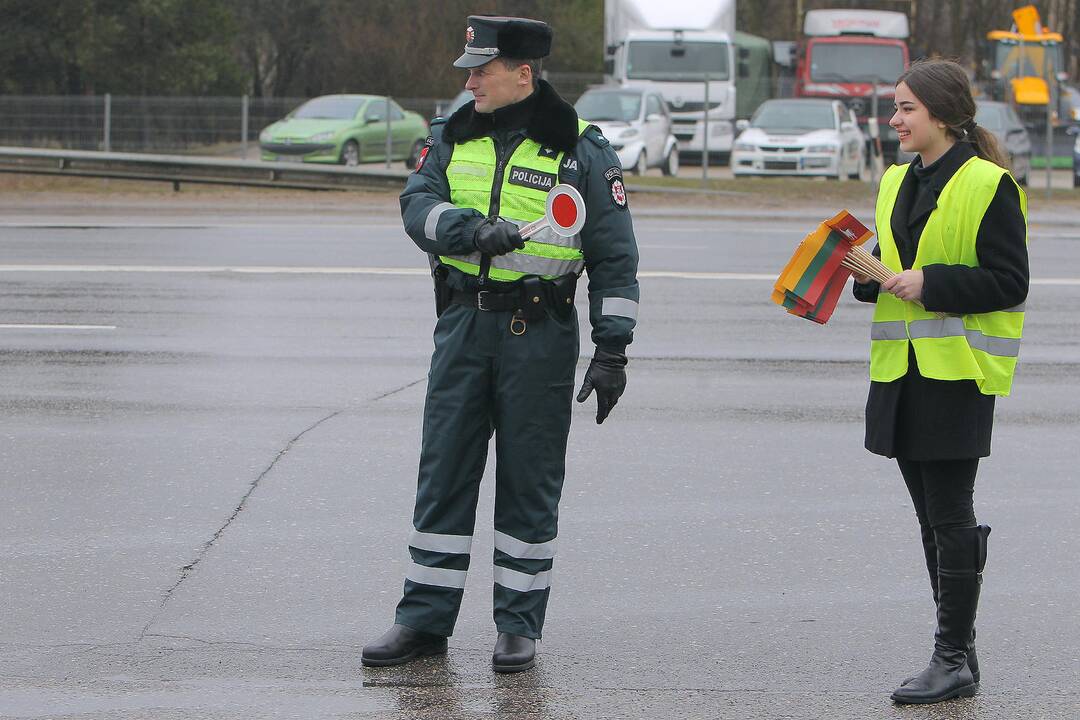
(564, 211)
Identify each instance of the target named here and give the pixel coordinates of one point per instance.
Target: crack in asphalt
(186, 570)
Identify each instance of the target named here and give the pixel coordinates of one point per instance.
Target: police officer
(506, 340)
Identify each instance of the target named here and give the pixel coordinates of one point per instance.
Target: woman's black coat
(917, 418)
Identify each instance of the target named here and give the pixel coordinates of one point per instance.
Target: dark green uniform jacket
(590, 165)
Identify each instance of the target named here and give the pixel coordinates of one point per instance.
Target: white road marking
(360, 270)
(17, 326)
(210, 269)
(359, 225)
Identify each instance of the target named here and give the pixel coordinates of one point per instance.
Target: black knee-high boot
(961, 557)
(930, 552)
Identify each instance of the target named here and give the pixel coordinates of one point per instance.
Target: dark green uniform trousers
(485, 380)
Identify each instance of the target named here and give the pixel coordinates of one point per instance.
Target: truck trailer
(685, 49)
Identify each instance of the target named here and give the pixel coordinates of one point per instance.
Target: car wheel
(642, 164)
(1076, 180)
(671, 164)
(350, 154)
(857, 175)
(414, 154)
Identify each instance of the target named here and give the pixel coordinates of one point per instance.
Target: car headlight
(266, 135)
(830, 149)
(631, 133)
(745, 146)
(322, 137)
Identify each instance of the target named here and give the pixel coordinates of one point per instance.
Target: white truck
(673, 46)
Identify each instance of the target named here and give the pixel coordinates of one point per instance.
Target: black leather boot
(513, 653)
(401, 644)
(930, 553)
(961, 558)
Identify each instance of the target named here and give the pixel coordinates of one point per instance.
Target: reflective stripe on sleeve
(432, 222)
(889, 330)
(523, 550)
(522, 582)
(440, 577)
(619, 306)
(457, 544)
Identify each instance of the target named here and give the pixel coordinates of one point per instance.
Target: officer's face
(494, 86)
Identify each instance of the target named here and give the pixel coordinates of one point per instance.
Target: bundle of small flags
(811, 282)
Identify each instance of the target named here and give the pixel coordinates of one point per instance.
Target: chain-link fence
(210, 125)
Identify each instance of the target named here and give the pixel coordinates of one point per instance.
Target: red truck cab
(853, 56)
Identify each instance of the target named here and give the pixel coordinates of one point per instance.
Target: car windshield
(990, 117)
(610, 106)
(329, 108)
(855, 62)
(662, 60)
(794, 117)
(1028, 59)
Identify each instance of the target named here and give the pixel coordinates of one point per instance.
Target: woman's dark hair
(943, 87)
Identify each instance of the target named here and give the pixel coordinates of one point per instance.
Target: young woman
(945, 337)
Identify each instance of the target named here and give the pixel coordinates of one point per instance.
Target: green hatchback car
(345, 129)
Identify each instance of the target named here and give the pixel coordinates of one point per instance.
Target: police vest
(982, 347)
(520, 187)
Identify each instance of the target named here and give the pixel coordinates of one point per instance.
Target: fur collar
(553, 122)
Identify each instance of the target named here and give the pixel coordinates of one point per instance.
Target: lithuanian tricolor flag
(811, 282)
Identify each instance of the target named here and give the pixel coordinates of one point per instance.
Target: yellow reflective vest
(982, 347)
(519, 188)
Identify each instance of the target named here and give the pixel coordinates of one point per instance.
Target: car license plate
(781, 165)
(290, 158)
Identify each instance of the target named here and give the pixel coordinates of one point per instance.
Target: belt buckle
(481, 295)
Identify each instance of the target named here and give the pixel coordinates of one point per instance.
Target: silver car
(637, 123)
(801, 136)
(1001, 119)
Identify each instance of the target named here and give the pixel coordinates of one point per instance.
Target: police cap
(487, 38)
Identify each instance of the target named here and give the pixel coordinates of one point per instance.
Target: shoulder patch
(593, 134)
(614, 177)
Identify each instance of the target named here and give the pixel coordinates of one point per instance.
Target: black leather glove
(497, 237)
(607, 375)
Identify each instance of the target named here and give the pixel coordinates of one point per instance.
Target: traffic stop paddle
(565, 213)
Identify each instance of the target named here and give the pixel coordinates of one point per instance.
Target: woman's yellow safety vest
(982, 347)
(527, 177)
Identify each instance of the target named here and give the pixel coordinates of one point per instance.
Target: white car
(636, 123)
(800, 136)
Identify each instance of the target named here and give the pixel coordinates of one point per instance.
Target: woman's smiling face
(917, 131)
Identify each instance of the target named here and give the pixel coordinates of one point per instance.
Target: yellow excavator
(1026, 66)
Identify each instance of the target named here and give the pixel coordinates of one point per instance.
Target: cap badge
(470, 34)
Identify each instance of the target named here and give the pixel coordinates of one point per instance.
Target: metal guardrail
(182, 169)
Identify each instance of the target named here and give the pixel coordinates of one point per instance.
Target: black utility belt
(529, 296)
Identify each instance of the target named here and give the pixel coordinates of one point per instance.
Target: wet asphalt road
(208, 473)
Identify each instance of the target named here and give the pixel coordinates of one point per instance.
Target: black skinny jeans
(942, 491)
